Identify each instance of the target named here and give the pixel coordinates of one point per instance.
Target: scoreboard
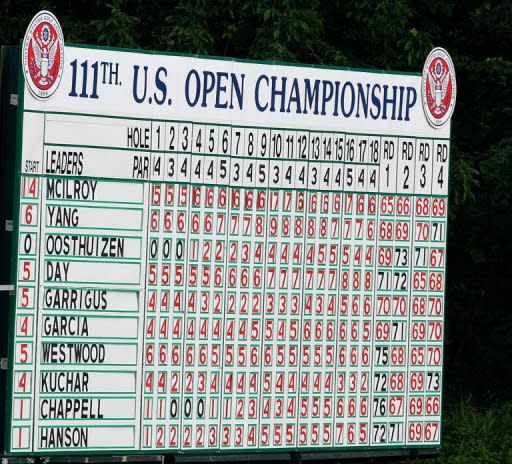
(225, 256)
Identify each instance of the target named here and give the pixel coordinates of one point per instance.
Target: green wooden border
(373, 449)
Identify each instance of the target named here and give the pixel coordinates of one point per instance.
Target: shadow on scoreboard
(380, 456)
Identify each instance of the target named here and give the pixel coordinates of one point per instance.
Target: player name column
(90, 300)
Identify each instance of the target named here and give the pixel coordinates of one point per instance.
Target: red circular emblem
(439, 87)
(43, 55)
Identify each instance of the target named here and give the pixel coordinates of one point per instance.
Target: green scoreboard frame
(215, 258)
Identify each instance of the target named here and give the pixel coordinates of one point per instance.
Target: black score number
(188, 410)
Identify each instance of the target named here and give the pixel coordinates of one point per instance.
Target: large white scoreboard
(224, 256)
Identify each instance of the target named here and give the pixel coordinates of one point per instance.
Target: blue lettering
(311, 96)
(195, 75)
(136, 97)
(257, 92)
(294, 97)
(376, 102)
(410, 101)
(327, 91)
(362, 99)
(389, 101)
(276, 92)
(208, 85)
(238, 90)
(336, 97)
(160, 85)
(221, 89)
(352, 96)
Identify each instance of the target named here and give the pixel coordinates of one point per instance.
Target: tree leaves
(118, 28)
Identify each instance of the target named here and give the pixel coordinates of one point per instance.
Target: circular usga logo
(43, 55)
(438, 87)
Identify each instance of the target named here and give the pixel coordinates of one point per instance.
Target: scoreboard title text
(224, 90)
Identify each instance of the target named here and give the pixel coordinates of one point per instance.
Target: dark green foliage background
(383, 34)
